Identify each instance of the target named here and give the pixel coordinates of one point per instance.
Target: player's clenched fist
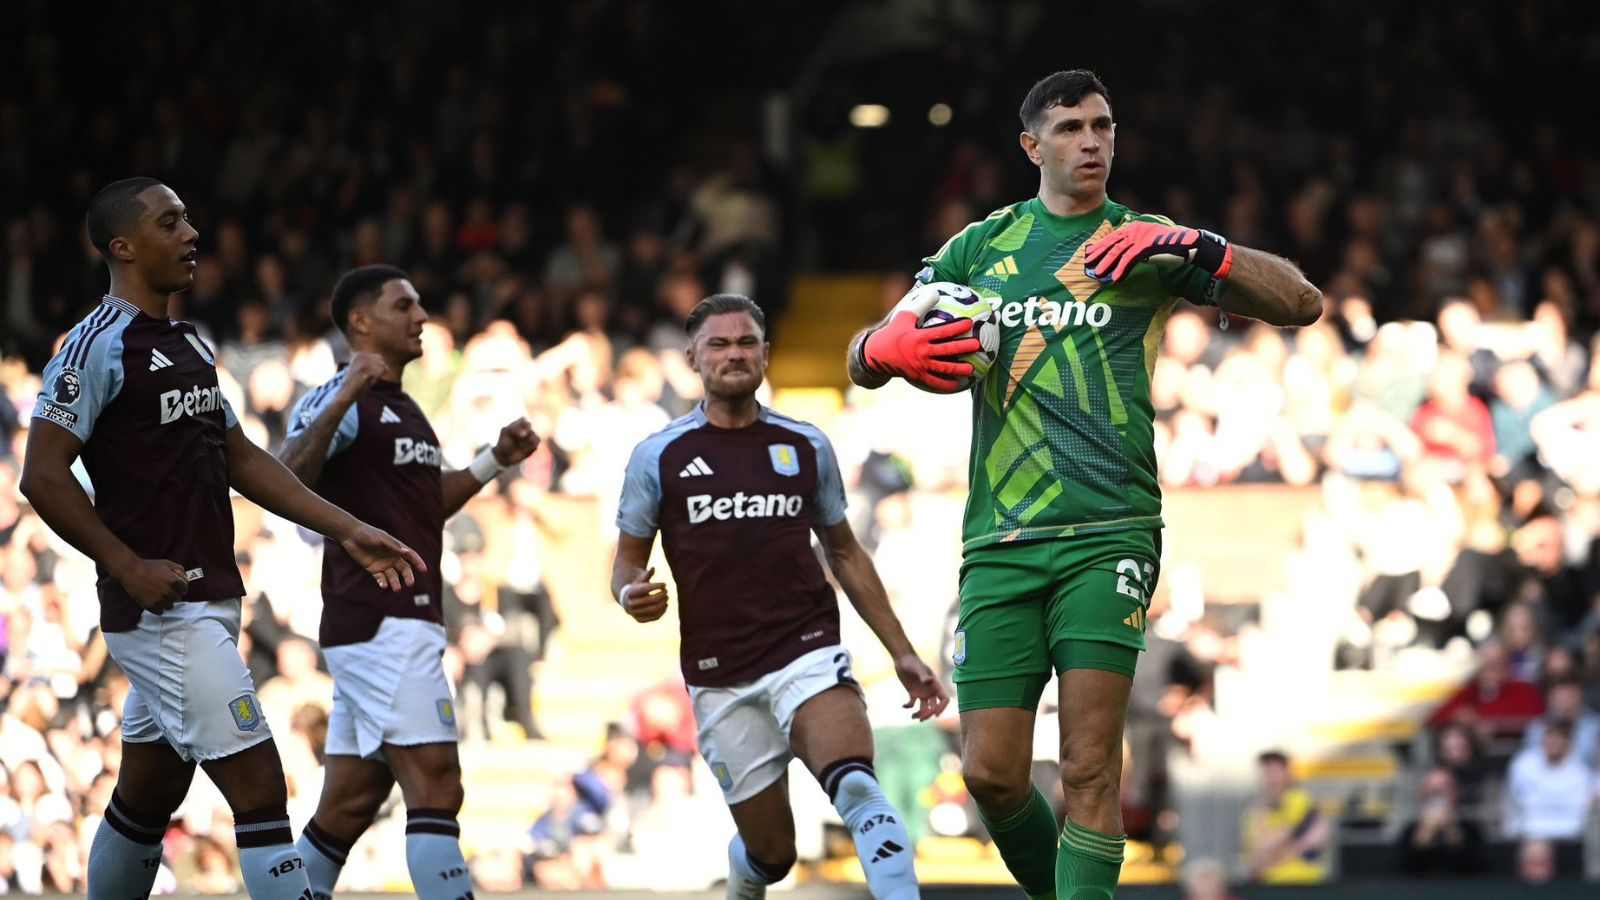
(644, 599)
(517, 442)
(154, 584)
(364, 369)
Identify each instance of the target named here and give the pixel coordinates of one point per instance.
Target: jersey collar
(121, 305)
(1065, 225)
(700, 418)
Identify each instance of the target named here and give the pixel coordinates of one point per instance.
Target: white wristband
(622, 596)
(485, 467)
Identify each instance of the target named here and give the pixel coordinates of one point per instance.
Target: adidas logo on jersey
(388, 417)
(696, 468)
(158, 360)
(1003, 269)
(704, 507)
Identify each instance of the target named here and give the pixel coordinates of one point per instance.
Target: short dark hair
(718, 304)
(1059, 89)
(1273, 757)
(114, 209)
(1565, 681)
(359, 286)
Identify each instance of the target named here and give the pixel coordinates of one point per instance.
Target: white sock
(272, 867)
(324, 856)
(433, 855)
(880, 837)
(126, 854)
(747, 878)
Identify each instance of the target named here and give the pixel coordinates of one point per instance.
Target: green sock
(1087, 864)
(1026, 841)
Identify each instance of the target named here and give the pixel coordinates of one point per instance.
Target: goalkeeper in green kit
(1062, 533)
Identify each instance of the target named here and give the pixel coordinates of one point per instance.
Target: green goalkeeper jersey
(1062, 426)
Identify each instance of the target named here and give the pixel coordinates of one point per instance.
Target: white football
(955, 302)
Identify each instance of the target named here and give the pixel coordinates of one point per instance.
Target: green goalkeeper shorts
(1069, 603)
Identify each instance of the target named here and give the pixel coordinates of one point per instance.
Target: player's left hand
(390, 562)
(922, 687)
(517, 442)
(1109, 259)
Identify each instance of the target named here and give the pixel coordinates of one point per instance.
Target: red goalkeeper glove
(1109, 259)
(924, 356)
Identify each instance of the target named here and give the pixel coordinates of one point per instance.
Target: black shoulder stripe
(70, 349)
(322, 390)
(316, 396)
(88, 344)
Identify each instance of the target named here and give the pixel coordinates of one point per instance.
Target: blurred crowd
(565, 183)
(492, 160)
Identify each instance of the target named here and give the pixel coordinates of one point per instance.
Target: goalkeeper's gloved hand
(924, 356)
(1109, 259)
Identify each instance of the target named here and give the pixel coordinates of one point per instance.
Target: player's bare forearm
(458, 486)
(516, 443)
(55, 494)
(631, 561)
(856, 574)
(859, 373)
(1270, 288)
(305, 452)
(642, 599)
(269, 484)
